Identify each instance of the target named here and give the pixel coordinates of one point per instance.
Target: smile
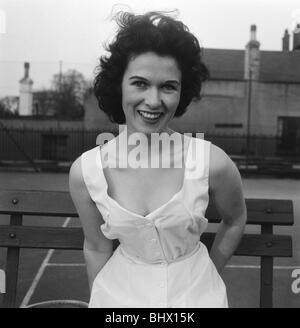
(150, 116)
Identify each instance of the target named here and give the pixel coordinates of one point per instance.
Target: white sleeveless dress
(160, 261)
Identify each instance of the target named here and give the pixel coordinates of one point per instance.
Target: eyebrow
(144, 79)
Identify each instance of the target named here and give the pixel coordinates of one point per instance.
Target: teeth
(147, 115)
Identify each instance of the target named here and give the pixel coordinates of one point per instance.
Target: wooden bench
(17, 203)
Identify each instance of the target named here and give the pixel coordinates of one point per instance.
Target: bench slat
(41, 237)
(261, 211)
(258, 245)
(259, 218)
(28, 202)
(72, 238)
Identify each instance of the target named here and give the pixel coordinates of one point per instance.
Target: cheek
(172, 102)
(126, 96)
(130, 98)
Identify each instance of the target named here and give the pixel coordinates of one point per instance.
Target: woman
(157, 212)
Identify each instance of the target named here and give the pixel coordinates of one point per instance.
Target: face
(151, 89)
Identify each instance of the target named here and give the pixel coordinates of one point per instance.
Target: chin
(150, 130)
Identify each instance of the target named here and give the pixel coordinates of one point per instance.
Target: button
(149, 224)
(153, 240)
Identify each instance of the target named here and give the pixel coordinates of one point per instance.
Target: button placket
(160, 286)
(163, 284)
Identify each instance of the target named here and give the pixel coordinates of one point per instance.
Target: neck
(133, 138)
(153, 146)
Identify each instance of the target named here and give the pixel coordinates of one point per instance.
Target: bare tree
(70, 88)
(8, 107)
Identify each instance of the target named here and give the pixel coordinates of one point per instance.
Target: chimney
(252, 56)
(296, 38)
(26, 66)
(25, 99)
(286, 41)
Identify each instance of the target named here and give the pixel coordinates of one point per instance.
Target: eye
(139, 84)
(169, 87)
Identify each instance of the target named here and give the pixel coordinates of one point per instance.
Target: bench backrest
(14, 236)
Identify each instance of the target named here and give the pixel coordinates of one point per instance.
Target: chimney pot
(253, 32)
(26, 66)
(286, 41)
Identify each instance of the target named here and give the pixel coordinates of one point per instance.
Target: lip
(149, 120)
(146, 111)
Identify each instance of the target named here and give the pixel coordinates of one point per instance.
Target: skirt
(125, 282)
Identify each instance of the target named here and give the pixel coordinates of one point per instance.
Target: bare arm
(226, 194)
(97, 248)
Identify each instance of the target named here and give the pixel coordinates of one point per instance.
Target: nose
(152, 98)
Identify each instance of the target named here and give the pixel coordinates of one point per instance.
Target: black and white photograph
(150, 156)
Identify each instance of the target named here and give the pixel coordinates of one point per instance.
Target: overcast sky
(44, 32)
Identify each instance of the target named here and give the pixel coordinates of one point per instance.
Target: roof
(224, 64)
(280, 66)
(275, 66)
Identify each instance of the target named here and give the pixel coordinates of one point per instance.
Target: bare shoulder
(76, 181)
(222, 169)
(90, 217)
(75, 169)
(219, 160)
(225, 186)
(75, 174)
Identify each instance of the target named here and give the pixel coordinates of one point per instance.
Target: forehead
(151, 65)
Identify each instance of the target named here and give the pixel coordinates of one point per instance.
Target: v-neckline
(155, 210)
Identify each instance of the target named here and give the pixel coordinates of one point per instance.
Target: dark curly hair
(138, 34)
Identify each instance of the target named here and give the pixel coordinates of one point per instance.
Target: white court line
(40, 272)
(66, 264)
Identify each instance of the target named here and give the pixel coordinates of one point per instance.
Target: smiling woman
(141, 34)
(157, 212)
